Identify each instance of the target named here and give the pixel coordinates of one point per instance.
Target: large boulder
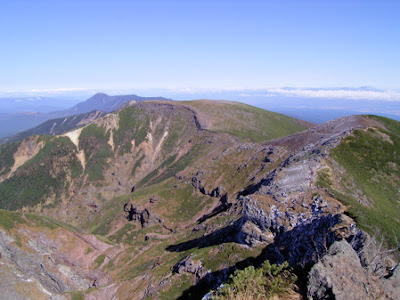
(189, 265)
(340, 275)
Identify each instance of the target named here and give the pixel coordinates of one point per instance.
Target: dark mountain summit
(103, 102)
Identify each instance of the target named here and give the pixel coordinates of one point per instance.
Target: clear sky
(198, 44)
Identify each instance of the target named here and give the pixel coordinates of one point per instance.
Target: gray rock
(30, 265)
(339, 275)
(391, 285)
(145, 217)
(188, 265)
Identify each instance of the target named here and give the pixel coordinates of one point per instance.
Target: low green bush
(257, 283)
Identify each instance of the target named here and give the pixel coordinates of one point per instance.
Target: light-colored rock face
(74, 137)
(91, 117)
(297, 175)
(109, 122)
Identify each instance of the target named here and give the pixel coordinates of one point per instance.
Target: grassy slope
(7, 152)
(372, 161)
(245, 121)
(10, 220)
(94, 141)
(135, 124)
(42, 176)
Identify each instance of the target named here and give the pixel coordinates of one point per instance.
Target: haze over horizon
(319, 49)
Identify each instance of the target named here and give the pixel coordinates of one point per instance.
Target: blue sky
(100, 45)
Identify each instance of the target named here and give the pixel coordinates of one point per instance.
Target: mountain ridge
(18, 122)
(182, 202)
(56, 126)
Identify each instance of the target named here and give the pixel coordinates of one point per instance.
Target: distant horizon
(316, 105)
(352, 93)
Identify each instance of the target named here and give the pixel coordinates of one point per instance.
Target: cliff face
(166, 208)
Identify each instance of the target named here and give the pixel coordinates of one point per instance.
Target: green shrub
(257, 283)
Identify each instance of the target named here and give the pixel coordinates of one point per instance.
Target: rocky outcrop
(196, 182)
(144, 217)
(188, 265)
(340, 275)
(272, 215)
(391, 285)
(31, 265)
(55, 259)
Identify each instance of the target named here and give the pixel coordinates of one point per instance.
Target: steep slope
(56, 126)
(368, 180)
(189, 205)
(11, 124)
(48, 257)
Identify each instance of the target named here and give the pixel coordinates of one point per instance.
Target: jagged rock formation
(340, 275)
(189, 265)
(144, 217)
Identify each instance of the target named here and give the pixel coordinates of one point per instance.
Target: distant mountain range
(103, 102)
(56, 126)
(11, 124)
(11, 105)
